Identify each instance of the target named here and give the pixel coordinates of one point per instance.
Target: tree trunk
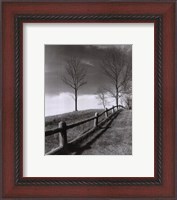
(75, 100)
(117, 100)
(104, 105)
(117, 96)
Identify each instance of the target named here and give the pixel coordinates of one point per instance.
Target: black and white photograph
(88, 99)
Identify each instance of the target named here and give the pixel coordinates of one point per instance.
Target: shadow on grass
(79, 149)
(101, 130)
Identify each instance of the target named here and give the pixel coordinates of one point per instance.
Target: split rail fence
(63, 127)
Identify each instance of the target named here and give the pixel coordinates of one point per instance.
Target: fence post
(63, 134)
(106, 113)
(95, 122)
(112, 109)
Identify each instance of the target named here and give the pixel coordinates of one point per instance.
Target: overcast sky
(58, 98)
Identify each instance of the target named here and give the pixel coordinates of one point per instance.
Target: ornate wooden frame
(163, 16)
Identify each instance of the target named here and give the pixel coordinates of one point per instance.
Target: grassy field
(51, 122)
(116, 140)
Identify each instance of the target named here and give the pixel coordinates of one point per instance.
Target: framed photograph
(88, 100)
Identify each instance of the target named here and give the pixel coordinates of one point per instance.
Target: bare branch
(102, 97)
(75, 75)
(116, 66)
(68, 82)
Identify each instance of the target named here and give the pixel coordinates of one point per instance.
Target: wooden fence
(63, 127)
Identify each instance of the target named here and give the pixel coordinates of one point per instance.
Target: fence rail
(52, 131)
(80, 122)
(63, 127)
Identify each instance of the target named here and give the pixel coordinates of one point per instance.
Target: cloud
(56, 57)
(64, 103)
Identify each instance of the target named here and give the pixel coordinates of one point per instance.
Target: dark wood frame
(163, 183)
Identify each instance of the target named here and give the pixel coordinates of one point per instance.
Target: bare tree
(75, 75)
(102, 97)
(116, 66)
(126, 100)
(126, 95)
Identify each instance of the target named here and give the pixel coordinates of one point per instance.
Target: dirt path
(117, 140)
